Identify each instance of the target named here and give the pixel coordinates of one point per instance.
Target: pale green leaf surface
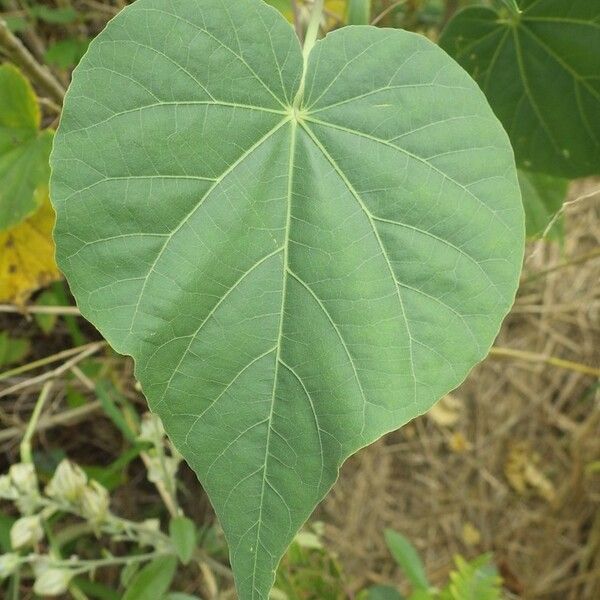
(24, 150)
(540, 73)
(292, 285)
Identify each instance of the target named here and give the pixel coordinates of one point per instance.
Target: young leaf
(152, 581)
(474, 580)
(183, 536)
(12, 350)
(299, 260)
(543, 197)
(539, 70)
(24, 150)
(408, 558)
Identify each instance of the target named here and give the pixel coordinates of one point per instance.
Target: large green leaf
(540, 72)
(24, 150)
(292, 282)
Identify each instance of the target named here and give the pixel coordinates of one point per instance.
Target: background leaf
(539, 71)
(543, 197)
(408, 558)
(183, 535)
(24, 150)
(152, 581)
(293, 284)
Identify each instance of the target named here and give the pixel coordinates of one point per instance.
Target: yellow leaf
(27, 254)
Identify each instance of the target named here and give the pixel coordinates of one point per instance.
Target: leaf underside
(292, 284)
(540, 74)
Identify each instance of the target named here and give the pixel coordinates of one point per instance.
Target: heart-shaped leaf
(300, 258)
(539, 70)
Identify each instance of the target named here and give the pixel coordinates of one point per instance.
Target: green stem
(313, 28)
(33, 421)
(309, 42)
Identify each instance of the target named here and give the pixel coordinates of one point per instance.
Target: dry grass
(423, 482)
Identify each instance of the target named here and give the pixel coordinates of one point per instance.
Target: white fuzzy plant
(71, 492)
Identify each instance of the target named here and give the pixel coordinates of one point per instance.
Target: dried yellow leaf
(458, 443)
(27, 255)
(471, 535)
(524, 474)
(446, 412)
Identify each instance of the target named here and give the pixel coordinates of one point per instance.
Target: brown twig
(563, 265)
(45, 361)
(64, 418)
(23, 58)
(55, 372)
(40, 310)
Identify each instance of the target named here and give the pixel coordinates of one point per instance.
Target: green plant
(303, 249)
(470, 580)
(296, 265)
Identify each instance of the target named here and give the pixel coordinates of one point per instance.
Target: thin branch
(46, 361)
(25, 448)
(21, 56)
(387, 11)
(40, 310)
(563, 265)
(544, 359)
(67, 366)
(65, 418)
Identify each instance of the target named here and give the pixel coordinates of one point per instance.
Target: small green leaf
(183, 535)
(152, 581)
(474, 580)
(47, 322)
(407, 557)
(539, 70)
(358, 12)
(12, 350)
(24, 150)
(181, 596)
(543, 197)
(110, 399)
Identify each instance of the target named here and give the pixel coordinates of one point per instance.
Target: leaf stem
(25, 447)
(19, 54)
(309, 42)
(313, 28)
